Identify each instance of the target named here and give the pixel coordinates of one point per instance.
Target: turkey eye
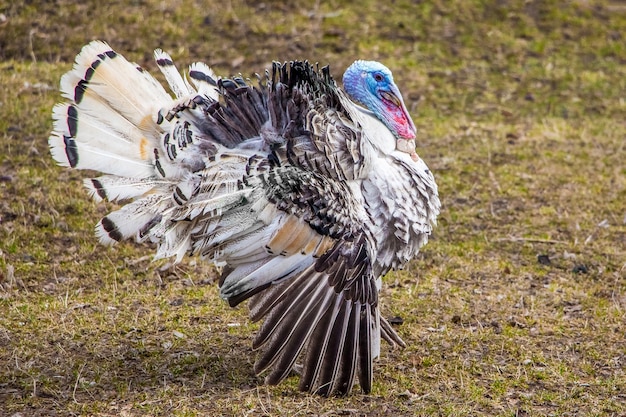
(378, 77)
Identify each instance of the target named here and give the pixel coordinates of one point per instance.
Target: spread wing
(314, 284)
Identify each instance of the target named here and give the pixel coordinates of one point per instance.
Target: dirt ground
(516, 307)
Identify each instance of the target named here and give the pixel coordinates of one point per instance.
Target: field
(516, 307)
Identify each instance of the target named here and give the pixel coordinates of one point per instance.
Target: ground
(516, 307)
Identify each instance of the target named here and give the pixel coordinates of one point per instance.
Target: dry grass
(517, 307)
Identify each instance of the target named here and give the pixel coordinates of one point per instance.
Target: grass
(517, 305)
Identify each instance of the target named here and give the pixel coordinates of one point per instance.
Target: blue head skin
(371, 84)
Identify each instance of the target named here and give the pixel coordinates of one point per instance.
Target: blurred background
(516, 307)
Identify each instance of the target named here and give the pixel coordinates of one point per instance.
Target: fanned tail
(118, 120)
(110, 122)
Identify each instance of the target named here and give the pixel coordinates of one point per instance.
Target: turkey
(305, 193)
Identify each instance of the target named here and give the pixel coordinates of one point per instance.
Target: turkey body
(305, 196)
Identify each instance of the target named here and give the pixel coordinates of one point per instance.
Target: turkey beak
(394, 96)
(406, 138)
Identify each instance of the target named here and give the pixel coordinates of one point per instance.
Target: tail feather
(111, 122)
(114, 123)
(204, 79)
(101, 73)
(99, 139)
(180, 87)
(132, 220)
(175, 242)
(114, 188)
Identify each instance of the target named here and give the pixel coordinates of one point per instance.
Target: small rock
(497, 328)
(544, 259)
(49, 288)
(397, 320)
(580, 269)
(406, 394)
(513, 322)
(436, 329)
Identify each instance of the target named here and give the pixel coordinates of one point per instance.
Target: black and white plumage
(306, 197)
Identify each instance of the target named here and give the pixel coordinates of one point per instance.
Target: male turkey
(308, 194)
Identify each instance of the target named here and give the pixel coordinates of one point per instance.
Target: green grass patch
(515, 307)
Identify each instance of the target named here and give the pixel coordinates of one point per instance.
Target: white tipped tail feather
(116, 122)
(108, 124)
(298, 192)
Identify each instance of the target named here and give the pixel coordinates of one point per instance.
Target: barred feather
(204, 79)
(116, 188)
(179, 87)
